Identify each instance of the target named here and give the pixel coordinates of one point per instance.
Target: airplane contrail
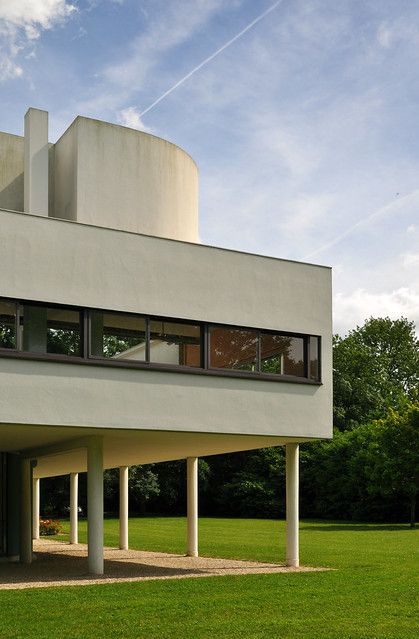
(211, 57)
(388, 208)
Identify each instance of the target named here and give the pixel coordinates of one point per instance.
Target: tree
(376, 366)
(336, 477)
(247, 484)
(397, 462)
(143, 485)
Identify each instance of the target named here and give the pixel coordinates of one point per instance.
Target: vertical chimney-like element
(36, 162)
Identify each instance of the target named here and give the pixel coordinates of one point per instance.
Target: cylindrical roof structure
(112, 176)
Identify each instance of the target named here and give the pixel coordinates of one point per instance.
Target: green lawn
(372, 594)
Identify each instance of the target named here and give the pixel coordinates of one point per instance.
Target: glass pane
(51, 330)
(282, 355)
(233, 348)
(63, 332)
(34, 323)
(174, 343)
(7, 324)
(314, 358)
(117, 336)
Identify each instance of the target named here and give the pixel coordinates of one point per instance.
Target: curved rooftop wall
(101, 174)
(111, 176)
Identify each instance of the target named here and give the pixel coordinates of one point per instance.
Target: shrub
(49, 527)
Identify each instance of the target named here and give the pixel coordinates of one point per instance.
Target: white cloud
(168, 28)
(384, 36)
(306, 211)
(391, 208)
(131, 117)
(34, 14)
(388, 35)
(290, 149)
(21, 23)
(410, 259)
(353, 309)
(411, 229)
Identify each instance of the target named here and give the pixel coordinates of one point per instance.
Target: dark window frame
(319, 358)
(148, 319)
(262, 331)
(89, 311)
(83, 312)
(205, 369)
(230, 327)
(171, 320)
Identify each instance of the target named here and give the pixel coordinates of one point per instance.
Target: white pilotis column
(26, 512)
(192, 505)
(74, 508)
(35, 177)
(123, 507)
(95, 505)
(35, 508)
(292, 498)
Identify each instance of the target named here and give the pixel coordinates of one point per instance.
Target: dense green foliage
(375, 367)
(372, 595)
(369, 471)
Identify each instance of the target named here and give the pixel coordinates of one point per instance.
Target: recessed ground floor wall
(10, 490)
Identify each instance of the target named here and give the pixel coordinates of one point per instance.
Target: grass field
(373, 593)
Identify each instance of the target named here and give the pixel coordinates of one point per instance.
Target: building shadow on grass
(49, 567)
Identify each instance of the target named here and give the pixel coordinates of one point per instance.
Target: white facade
(121, 235)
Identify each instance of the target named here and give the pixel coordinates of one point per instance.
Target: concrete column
(95, 505)
(74, 508)
(26, 512)
(192, 505)
(35, 178)
(35, 499)
(292, 505)
(123, 507)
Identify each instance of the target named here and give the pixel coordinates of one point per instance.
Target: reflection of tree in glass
(234, 349)
(278, 355)
(115, 345)
(7, 335)
(274, 349)
(63, 341)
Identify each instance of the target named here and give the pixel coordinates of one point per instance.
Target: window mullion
(85, 319)
(306, 356)
(18, 331)
(147, 340)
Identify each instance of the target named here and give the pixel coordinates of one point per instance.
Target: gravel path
(59, 564)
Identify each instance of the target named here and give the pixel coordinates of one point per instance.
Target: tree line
(368, 471)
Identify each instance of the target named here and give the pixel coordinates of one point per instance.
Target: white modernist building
(123, 340)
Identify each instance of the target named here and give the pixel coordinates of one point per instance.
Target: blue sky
(305, 129)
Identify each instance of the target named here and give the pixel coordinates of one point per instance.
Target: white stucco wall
(122, 271)
(69, 263)
(11, 171)
(65, 175)
(112, 176)
(12, 158)
(75, 395)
